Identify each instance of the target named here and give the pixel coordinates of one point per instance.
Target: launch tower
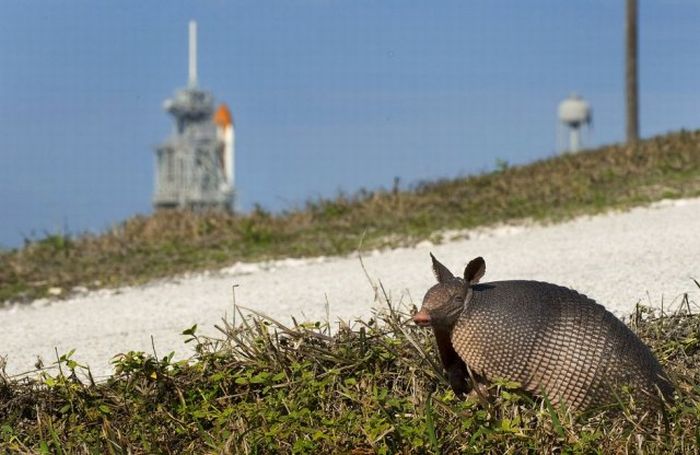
(194, 167)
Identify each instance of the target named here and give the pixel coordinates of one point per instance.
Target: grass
(372, 387)
(147, 247)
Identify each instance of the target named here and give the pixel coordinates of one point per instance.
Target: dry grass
(147, 247)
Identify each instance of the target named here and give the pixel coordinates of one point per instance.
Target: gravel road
(647, 255)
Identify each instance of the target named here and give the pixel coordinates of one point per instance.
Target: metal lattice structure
(194, 167)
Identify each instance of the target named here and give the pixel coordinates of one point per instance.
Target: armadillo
(551, 340)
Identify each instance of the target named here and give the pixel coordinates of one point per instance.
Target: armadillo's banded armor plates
(553, 341)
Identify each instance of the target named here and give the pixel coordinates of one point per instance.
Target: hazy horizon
(326, 95)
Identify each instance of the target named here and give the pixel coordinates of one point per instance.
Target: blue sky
(327, 95)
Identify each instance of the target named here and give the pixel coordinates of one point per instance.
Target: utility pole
(631, 87)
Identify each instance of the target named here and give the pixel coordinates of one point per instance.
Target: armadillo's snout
(422, 318)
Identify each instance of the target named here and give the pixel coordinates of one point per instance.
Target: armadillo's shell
(553, 341)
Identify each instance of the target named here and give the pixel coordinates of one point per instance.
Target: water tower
(195, 167)
(574, 114)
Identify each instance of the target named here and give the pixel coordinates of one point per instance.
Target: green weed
(369, 387)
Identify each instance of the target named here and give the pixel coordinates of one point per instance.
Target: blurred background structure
(574, 113)
(194, 168)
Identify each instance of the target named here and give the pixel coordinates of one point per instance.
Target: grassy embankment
(147, 247)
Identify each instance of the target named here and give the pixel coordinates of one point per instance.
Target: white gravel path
(646, 255)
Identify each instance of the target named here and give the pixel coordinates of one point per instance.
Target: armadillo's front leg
(457, 376)
(455, 367)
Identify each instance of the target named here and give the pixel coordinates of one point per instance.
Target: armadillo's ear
(475, 270)
(441, 272)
